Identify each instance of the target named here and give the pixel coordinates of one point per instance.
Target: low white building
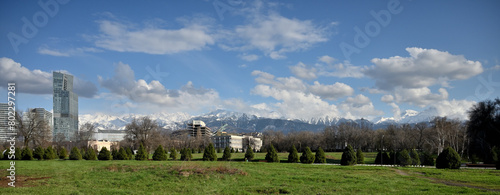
(237, 142)
(110, 135)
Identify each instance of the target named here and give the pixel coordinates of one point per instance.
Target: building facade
(237, 142)
(65, 106)
(3, 121)
(110, 135)
(40, 114)
(198, 128)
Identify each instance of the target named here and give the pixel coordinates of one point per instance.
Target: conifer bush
(272, 155)
(90, 154)
(360, 157)
(75, 154)
(227, 154)
(348, 156)
(209, 153)
(130, 154)
(17, 153)
(307, 157)
(114, 153)
(142, 154)
(173, 154)
(415, 158)
(186, 154)
(26, 154)
(159, 153)
(104, 154)
(448, 159)
(249, 155)
(49, 153)
(320, 156)
(293, 156)
(426, 159)
(404, 158)
(38, 153)
(382, 158)
(62, 153)
(122, 154)
(232, 150)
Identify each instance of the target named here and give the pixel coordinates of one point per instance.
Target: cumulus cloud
(357, 106)
(331, 92)
(249, 57)
(37, 81)
(275, 35)
(187, 97)
(387, 98)
(302, 71)
(419, 96)
(120, 37)
(424, 68)
(454, 109)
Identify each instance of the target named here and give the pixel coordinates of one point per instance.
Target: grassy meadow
(238, 177)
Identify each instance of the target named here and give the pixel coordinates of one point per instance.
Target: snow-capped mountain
(242, 122)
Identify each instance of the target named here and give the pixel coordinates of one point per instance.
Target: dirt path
(449, 183)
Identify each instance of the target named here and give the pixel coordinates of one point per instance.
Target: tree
(90, 154)
(173, 154)
(348, 157)
(33, 128)
(104, 154)
(415, 158)
(307, 156)
(227, 153)
(448, 159)
(186, 154)
(141, 131)
(122, 154)
(114, 153)
(62, 153)
(426, 159)
(130, 154)
(293, 157)
(84, 134)
(249, 154)
(483, 129)
(272, 155)
(159, 154)
(404, 158)
(232, 150)
(26, 154)
(49, 153)
(382, 158)
(142, 154)
(75, 154)
(209, 153)
(320, 156)
(39, 152)
(360, 157)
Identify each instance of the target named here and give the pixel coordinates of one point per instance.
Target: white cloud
(153, 40)
(387, 98)
(249, 57)
(454, 109)
(275, 35)
(187, 98)
(424, 68)
(419, 96)
(359, 106)
(396, 111)
(331, 92)
(38, 81)
(326, 59)
(302, 71)
(68, 52)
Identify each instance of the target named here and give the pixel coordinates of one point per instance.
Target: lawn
(237, 177)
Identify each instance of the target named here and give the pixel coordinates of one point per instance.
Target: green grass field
(237, 177)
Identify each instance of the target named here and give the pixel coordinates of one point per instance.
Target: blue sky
(291, 59)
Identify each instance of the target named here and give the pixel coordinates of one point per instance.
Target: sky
(277, 59)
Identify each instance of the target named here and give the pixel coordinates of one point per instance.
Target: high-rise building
(3, 120)
(65, 106)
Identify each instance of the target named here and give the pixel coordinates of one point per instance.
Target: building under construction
(198, 128)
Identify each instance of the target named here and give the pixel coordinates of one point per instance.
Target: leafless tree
(33, 128)
(141, 131)
(85, 134)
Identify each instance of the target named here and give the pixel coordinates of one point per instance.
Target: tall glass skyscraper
(65, 111)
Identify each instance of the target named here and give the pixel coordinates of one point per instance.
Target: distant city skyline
(277, 59)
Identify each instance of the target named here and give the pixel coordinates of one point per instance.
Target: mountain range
(245, 123)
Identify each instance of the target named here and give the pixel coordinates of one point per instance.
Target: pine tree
(426, 159)
(49, 153)
(448, 159)
(122, 154)
(227, 154)
(272, 155)
(237, 151)
(249, 155)
(62, 153)
(232, 150)
(130, 154)
(415, 158)
(348, 157)
(382, 158)
(18, 153)
(159, 154)
(320, 156)
(293, 157)
(360, 157)
(104, 154)
(75, 154)
(404, 158)
(39, 152)
(142, 154)
(209, 153)
(27, 154)
(186, 154)
(90, 154)
(173, 154)
(307, 156)
(114, 153)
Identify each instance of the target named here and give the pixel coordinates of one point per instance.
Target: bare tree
(33, 128)
(141, 131)
(85, 134)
